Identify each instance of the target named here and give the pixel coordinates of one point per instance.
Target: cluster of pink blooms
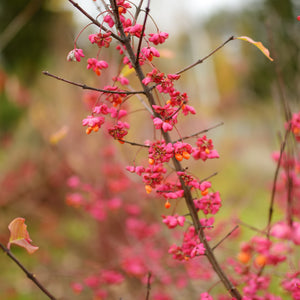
(159, 152)
(209, 204)
(262, 253)
(102, 40)
(141, 244)
(253, 258)
(190, 247)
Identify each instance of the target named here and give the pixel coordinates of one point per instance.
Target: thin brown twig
(225, 237)
(200, 132)
(251, 227)
(148, 285)
(133, 143)
(138, 9)
(29, 275)
(187, 193)
(200, 61)
(282, 147)
(94, 21)
(210, 176)
(142, 33)
(86, 87)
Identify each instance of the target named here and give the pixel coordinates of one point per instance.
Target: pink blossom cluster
(258, 257)
(205, 149)
(209, 204)
(190, 247)
(102, 40)
(262, 252)
(160, 152)
(173, 221)
(141, 244)
(94, 122)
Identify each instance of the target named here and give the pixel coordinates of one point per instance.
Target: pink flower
(160, 152)
(108, 19)
(208, 223)
(204, 149)
(123, 80)
(188, 109)
(74, 199)
(114, 98)
(117, 113)
(101, 109)
(209, 204)
(174, 195)
(189, 180)
(97, 210)
(296, 233)
(154, 175)
(133, 209)
(205, 296)
(167, 117)
(93, 123)
(173, 221)
(114, 203)
(119, 130)
(92, 281)
(73, 181)
(281, 230)
(122, 6)
(173, 76)
(178, 99)
(96, 65)
(295, 125)
(134, 266)
(76, 287)
(160, 124)
(75, 55)
(149, 52)
(291, 283)
(197, 250)
(111, 277)
(102, 40)
(158, 38)
(138, 170)
(153, 76)
(182, 150)
(135, 30)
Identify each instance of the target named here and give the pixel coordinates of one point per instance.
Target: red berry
(167, 205)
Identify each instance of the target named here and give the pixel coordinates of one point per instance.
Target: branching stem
(282, 147)
(187, 193)
(200, 61)
(29, 275)
(76, 5)
(86, 87)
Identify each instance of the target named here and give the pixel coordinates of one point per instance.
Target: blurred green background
(237, 86)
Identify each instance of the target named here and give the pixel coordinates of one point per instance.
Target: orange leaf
(20, 236)
(259, 45)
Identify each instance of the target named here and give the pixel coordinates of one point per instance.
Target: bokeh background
(237, 86)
